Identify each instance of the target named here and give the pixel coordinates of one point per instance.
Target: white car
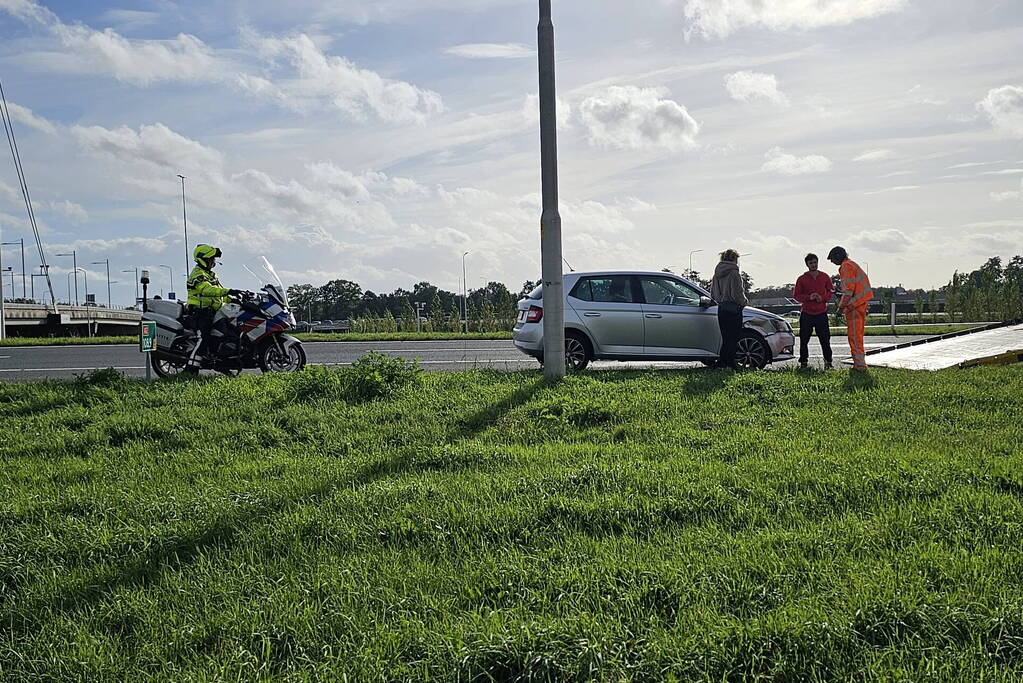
(647, 316)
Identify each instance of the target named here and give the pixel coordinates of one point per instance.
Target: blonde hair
(730, 255)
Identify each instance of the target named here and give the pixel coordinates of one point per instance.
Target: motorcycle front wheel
(283, 359)
(166, 367)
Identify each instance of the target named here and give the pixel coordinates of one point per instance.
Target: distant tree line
(424, 307)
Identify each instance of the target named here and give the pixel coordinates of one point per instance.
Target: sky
(379, 140)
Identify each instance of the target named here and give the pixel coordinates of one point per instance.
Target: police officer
(205, 297)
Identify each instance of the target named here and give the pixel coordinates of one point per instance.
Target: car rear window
(607, 289)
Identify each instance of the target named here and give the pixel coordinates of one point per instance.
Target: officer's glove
(236, 293)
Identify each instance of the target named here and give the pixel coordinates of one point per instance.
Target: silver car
(634, 315)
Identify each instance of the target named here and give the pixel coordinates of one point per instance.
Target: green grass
(682, 525)
(304, 336)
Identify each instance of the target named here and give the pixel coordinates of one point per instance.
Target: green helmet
(204, 254)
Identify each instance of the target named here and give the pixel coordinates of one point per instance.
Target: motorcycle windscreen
(265, 277)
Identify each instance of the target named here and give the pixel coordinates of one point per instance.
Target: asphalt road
(27, 363)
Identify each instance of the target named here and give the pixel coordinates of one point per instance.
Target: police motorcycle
(248, 332)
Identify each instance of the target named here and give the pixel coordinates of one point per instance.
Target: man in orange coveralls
(856, 295)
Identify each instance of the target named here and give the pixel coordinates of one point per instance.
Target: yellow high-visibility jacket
(204, 290)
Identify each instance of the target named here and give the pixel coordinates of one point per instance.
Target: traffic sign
(147, 336)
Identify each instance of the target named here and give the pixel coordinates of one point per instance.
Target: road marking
(140, 367)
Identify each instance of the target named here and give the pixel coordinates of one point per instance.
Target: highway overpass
(34, 320)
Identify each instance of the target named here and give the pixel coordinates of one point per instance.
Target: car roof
(590, 273)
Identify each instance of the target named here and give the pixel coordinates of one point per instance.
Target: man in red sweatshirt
(813, 290)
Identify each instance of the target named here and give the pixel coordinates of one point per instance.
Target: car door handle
(654, 315)
(592, 314)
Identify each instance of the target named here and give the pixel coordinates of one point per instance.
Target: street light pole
(550, 219)
(74, 266)
(170, 275)
(184, 221)
(694, 251)
(465, 298)
(136, 282)
(22, 243)
(106, 261)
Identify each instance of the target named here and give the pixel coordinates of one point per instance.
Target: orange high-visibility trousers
(856, 321)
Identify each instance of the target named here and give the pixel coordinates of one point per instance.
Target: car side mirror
(706, 302)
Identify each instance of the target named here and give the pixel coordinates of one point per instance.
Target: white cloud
(491, 51)
(918, 95)
(301, 75)
(531, 111)
(25, 115)
(327, 79)
(897, 188)
(1004, 107)
(130, 19)
(1009, 195)
(787, 164)
(750, 86)
(875, 155)
(75, 212)
(722, 18)
(1004, 171)
(889, 240)
(141, 62)
(638, 118)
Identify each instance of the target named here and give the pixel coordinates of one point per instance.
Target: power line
(15, 153)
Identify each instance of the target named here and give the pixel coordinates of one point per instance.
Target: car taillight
(534, 314)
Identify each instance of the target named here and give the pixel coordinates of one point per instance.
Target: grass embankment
(304, 336)
(646, 526)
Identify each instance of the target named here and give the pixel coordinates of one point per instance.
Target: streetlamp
(551, 272)
(10, 271)
(136, 271)
(85, 276)
(465, 295)
(184, 220)
(34, 276)
(694, 251)
(170, 271)
(74, 264)
(107, 262)
(22, 243)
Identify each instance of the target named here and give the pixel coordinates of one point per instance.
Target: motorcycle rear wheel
(166, 367)
(270, 359)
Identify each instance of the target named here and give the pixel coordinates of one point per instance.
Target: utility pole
(550, 219)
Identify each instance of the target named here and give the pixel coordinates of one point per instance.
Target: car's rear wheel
(752, 352)
(577, 352)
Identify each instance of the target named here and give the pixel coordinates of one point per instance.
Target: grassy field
(381, 525)
(304, 336)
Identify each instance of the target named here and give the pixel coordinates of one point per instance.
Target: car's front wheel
(752, 352)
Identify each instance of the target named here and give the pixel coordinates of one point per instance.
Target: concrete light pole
(550, 219)
(107, 262)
